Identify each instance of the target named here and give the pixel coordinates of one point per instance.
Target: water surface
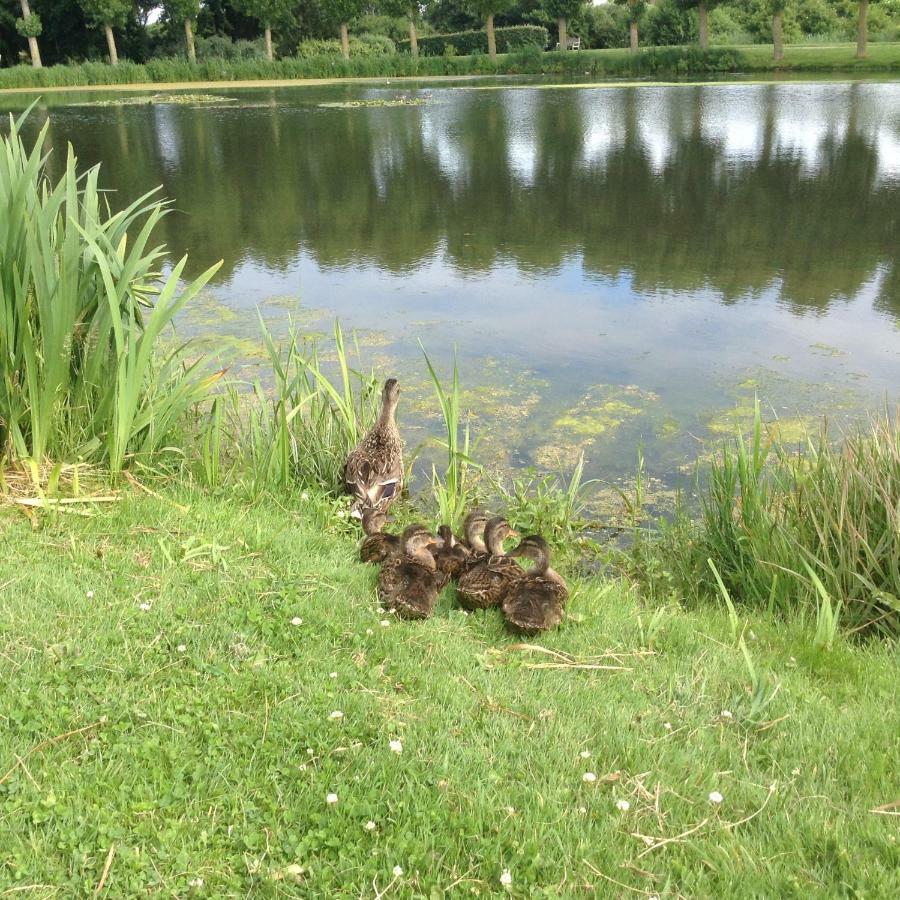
(617, 266)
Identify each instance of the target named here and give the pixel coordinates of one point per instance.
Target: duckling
(489, 578)
(373, 473)
(537, 601)
(409, 583)
(452, 556)
(377, 546)
(473, 532)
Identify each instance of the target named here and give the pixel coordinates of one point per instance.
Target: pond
(617, 266)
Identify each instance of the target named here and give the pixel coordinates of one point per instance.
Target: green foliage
(218, 47)
(668, 25)
(267, 12)
(635, 9)
(602, 27)
(107, 12)
(30, 27)
(484, 8)
(787, 531)
(360, 45)
(466, 43)
(179, 10)
(83, 310)
(563, 9)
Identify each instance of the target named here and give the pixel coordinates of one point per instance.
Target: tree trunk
(778, 35)
(111, 44)
(32, 41)
(345, 41)
(703, 12)
(563, 36)
(862, 39)
(633, 30)
(189, 39)
(413, 37)
(270, 54)
(492, 40)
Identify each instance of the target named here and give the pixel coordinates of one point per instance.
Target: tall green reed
(814, 528)
(83, 312)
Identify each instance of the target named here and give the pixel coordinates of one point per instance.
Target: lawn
(187, 678)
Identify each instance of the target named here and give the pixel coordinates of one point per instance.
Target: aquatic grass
(452, 491)
(814, 528)
(83, 315)
(548, 504)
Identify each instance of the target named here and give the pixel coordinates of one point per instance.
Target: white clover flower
(90, 595)
(304, 497)
(585, 754)
(396, 747)
(181, 648)
(370, 825)
(726, 714)
(715, 797)
(342, 514)
(296, 621)
(385, 623)
(397, 871)
(589, 777)
(309, 751)
(332, 674)
(369, 632)
(667, 726)
(623, 805)
(144, 607)
(302, 767)
(196, 883)
(505, 878)
(331, 799)
(336, 714)
(582, 810)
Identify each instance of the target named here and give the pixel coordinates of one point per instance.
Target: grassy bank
(601, 63)
(164, 723)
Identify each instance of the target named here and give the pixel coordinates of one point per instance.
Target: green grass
(193, 739)
(652, 61)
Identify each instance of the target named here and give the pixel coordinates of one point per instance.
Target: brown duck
(489, 578)
(409, 583)
(537, 601)
(373, 473)
(378, 545)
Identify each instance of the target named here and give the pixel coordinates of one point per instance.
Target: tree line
(65, 30)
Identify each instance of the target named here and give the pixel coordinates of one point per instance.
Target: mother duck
(373, 473)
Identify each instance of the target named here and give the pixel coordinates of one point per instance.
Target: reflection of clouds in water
(168, 135)
(603, 127)
(522, 146)
(888, 146)
(442, 140)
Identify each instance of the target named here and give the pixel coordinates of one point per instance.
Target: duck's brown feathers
(409, 588)
(487, 581)
(377, 548)
(535, 603)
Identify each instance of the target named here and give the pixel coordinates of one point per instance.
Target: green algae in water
(374, 104)
(159, 99)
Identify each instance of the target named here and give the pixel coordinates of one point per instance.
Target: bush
(217, 46)
(360, 45)
(602, 27)
(668, 25)
(469, 43)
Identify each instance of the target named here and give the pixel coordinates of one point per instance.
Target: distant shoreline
(650, 63)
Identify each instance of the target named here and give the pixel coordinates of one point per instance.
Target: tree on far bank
(268, 13)
(862, 29)
(412, 12)
(703, 7)
(777, 8)
(486, 10)
(108, 14)
(636, 9)
(185, 11)
(563, 11)
(30, 27)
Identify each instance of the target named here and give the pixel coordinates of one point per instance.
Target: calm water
(616, 265)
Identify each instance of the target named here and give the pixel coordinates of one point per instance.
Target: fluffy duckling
(537, 601)
(452, 556)
(377, 546)
(409, 583)
(473, 532)
(489, 578)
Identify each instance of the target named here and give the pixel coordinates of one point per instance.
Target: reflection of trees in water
(392, 186)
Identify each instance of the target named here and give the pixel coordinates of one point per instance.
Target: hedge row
(469, 43)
